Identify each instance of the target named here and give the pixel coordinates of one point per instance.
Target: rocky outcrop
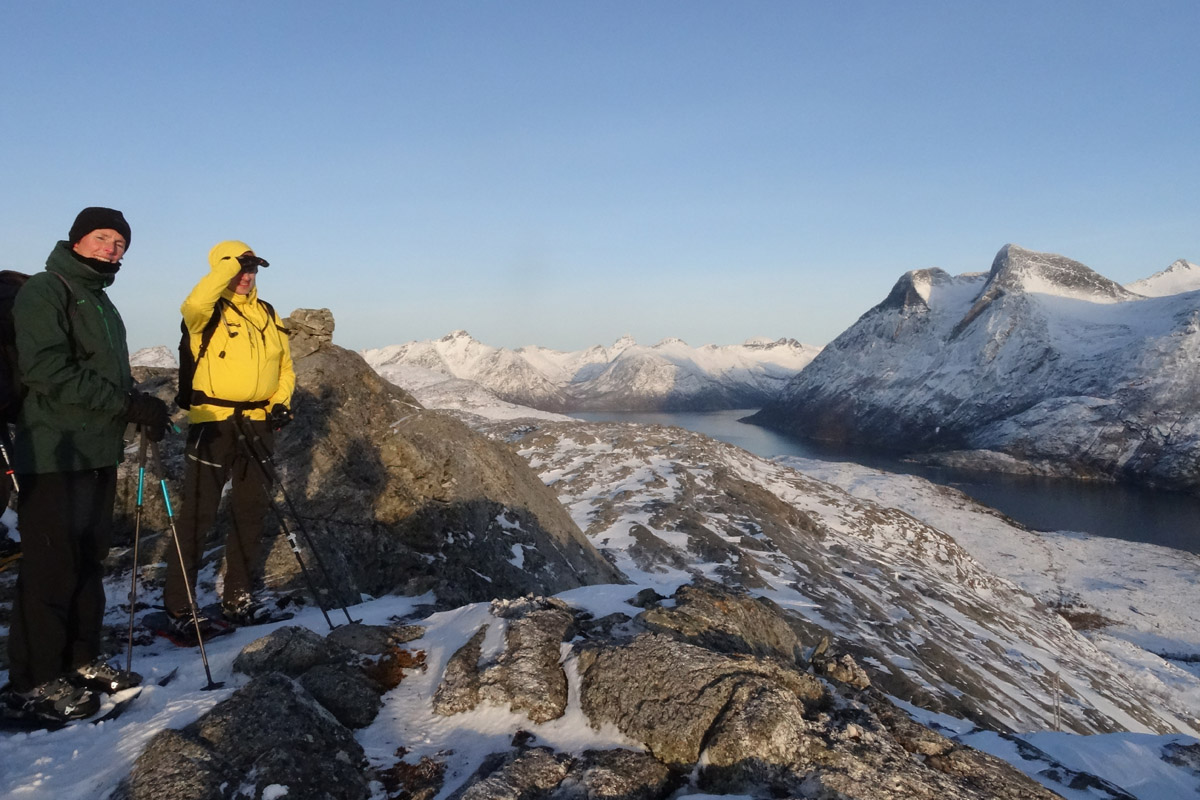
(713, 699)
(392, 496)
(1040, 365)
(270, 732)
(290, 726)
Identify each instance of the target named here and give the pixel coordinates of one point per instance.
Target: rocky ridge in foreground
(711, 690)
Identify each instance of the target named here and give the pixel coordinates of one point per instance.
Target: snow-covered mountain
(158, 356)
(1040, 364)
(670, 375)
(1181, 276)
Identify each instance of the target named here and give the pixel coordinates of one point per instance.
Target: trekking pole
(143, 445)
(272, 477)
(5, 451)
(162, 481)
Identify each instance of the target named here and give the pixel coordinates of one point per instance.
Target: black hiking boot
(183, 626)
(101, 676)
(245, 610)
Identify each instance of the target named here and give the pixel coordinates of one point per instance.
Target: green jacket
(74, 362)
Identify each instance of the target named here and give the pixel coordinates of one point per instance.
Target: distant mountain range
(1039, 365)
(668, 376)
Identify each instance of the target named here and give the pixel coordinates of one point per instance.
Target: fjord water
(1171, 519)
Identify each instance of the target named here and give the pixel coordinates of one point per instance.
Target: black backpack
(12, 390)
(187, 363)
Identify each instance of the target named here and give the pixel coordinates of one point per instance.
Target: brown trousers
(215, 456)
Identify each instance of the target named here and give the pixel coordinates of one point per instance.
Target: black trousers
(65, 519)
(214, 456)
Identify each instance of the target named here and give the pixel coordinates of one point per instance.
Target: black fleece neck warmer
(103, 267)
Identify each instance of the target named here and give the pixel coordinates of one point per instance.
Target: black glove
(149, 413)
(280, 415)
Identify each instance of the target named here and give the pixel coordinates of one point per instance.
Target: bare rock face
(624, 774)
(271, 731)
(668, 694)
(726, 620)
(308, 330)
(385, 496)
(401, 499)
(528, 676)
(459, 689)
(517, 776)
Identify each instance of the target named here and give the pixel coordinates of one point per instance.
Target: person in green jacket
(74, 362)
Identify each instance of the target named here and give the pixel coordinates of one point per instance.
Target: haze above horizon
(562, 174)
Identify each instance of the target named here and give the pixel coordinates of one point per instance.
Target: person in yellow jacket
(243, 382)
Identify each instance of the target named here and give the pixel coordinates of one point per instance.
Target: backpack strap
(210, 327)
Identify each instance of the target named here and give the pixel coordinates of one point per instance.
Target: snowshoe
(181, 630)
(51, 705)
(101, 676)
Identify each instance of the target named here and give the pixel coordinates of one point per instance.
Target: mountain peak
(624, 343)
(1016, 269)
(913, 289)
(456, 335)
(1182, 276)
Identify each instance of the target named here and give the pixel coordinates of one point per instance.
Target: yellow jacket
(247, 359)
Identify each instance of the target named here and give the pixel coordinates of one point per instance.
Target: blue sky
(562, 173)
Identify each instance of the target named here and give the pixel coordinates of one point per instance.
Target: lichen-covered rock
(291, 650)
(345, 692)
(843, 669)
(304, 776)
(726, 620)
(616, 775)
(515, 776)
(528, 676)
(178, 767)
(274, 712)
(400, 498)
(459, 688)
(755, 739)
(269, 732)
(667, 693)
(374, 640)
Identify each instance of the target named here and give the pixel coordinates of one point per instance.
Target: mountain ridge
(1040, 359)
(626, 376)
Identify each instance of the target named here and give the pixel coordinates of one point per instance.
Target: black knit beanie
(97, 218)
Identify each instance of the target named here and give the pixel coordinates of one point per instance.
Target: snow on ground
(1149, 595)
(433, 389)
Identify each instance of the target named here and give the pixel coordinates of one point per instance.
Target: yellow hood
(230, 249)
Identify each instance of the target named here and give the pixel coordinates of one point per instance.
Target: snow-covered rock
(670, 375)
(1041, 359)
(158, 356)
